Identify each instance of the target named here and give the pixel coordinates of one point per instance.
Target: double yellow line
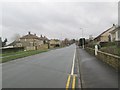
(72, 75)
(73, 82)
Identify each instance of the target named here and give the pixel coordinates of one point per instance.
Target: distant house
(31, 41)
(105, 36)
(54, 42)
(116, 34)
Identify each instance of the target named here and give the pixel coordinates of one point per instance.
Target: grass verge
(8, 57)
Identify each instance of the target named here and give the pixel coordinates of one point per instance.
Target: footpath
(94, 73)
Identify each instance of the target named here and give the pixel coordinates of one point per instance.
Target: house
(115, 34)
(105, 36)
(31, 41)
(54, 43)
(44, 39)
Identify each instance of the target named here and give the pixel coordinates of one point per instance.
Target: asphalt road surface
(57, 69)
(45, 70)
(94, 73)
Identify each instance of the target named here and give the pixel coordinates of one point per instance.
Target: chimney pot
(29, 33)
(113, 24)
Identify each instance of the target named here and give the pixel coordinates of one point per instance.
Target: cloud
(58, 19)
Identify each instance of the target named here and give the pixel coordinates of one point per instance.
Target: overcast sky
(57, 19)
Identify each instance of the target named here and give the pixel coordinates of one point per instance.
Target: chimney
(35, 34)
(29, 32)
(113, 24)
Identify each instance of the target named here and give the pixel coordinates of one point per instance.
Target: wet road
(45, 70)
(52, 70)
(94, 73)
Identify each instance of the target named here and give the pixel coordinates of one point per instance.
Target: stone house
(115, 34)
(54, 43)
(105, 36)
(44, 39)
(31, 41)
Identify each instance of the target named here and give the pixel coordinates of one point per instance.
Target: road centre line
(68, 82)
(72, 74)
(73, 83)
(73, 64)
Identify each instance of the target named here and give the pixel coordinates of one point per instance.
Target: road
(45, 70)
(59, 68)
(94, 73)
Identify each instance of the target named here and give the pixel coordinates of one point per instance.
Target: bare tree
(4, 42)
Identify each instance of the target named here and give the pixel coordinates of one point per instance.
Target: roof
(113, 31)
(55, 40)
(13, 43)
(103, 32)
(43, 38)
(30, 36)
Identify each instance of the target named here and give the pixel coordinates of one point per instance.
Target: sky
(57, 19)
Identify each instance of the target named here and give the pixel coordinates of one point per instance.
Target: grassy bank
(8, 56)
(15, 55)
(112, 50)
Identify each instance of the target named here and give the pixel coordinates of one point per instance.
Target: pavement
(94, 73)
(45, 70)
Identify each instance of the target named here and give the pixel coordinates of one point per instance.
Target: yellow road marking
(73, 83)
(68, 82)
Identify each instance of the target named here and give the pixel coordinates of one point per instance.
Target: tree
(4, 42)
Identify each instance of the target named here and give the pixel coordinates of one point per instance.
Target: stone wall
(110, 59)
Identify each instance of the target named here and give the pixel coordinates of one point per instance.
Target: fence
(110, 59)
(14, 49)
